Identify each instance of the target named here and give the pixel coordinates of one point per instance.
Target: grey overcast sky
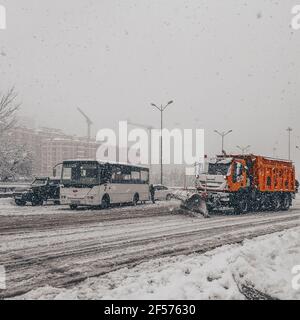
(227, 64)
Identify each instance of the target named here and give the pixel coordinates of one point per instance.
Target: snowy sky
(227, 64)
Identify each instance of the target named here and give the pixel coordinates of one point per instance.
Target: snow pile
(264, 263)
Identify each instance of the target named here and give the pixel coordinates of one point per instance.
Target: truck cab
(223, 175)
(222, 179)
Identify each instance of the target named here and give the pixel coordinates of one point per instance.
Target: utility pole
(223, 135)
(289, 130)
(161, 109)
(243, 149)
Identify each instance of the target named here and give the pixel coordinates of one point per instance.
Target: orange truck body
(273, 175)
(269, 175)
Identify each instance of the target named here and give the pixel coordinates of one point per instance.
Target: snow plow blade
(192, 201)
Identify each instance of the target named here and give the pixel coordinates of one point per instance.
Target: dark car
(42, 189)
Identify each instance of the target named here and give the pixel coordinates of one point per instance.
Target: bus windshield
(80, 173)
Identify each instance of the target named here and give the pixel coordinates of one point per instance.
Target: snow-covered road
(57, 247)
(260, 268)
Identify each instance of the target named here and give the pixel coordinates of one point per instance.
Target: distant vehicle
(41, 189)
(162, 192)
(93, 183)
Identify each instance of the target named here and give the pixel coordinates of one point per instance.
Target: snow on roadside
(264, 262)
(9, 208)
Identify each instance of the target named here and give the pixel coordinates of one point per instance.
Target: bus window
(88, 174)
(126, 177)
(135, 175)
(105, 173)
(144, 176)
(116, 174)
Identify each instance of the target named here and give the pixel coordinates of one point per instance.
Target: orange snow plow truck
(247, 183)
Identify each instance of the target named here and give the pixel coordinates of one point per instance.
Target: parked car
(162, 192)
(42, 189)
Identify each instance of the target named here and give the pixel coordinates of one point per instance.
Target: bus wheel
(73, 206)
(135, 199)
(105, 203)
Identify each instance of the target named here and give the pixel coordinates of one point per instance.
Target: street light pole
(289, 130)
(161, 109)
(243, 149)
(223, 135)
(161, 146)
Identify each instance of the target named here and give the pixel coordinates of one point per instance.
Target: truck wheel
(209, 208)
(256, 206)
(20, 203)
(276, 205)
(242, 206)
(37, 202)
(285, 203)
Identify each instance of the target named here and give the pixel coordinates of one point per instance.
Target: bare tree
(15, 160)
(8, 109)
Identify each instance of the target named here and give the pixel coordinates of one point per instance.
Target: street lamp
(161, 109)
(223, 135)
(243, 149)
(289, 130)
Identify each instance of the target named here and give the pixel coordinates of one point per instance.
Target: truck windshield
(79, 174)
(218, 168)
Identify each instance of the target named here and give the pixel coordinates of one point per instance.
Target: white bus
(93, 183)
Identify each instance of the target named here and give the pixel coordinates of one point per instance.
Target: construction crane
(89, 123)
